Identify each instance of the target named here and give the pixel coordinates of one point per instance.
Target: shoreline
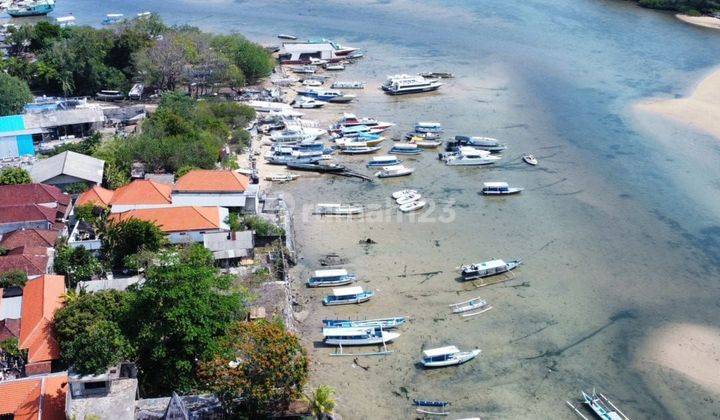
(700, 110)
(701, 21)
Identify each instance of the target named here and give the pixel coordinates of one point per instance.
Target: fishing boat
(406, 149)
(334, 96)
(112, 18)
(384, 323)
(350, 120)
(402, 193)
(286, 36)
(600, 405)
(499, 188)
(411, 196)
(530, 160)
(332, 209)
(315, 167)
(437, 75)
(31, 8)
(334, 66)
(468, 156)
(424, 143)
(446, 356)
(368, 141)
(325, 278)
(483, 143)
(348, 85)
(412, 206)
(381, 161)
(357, 336)
(428, 127)
(394, 171)
(282, 177)
(347, 295)
(402, 84)
(358, 130)
(307, 103)
(307, 69)
(360, 150)
(470, 307)
(296, 135)
(488, 268)
(423, 407)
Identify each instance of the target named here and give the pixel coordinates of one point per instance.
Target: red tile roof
(207, 181)
(176, 219)
(9, 328)
(41, 298)
(142, 191)
(97, 196)
(32, 237)
(32, 194)
(28, 398)
(33, 265)
(27, 213)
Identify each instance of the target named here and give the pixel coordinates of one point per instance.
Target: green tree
(14, 176)
(261, 363)
(14, 94)
(100, 346)
(13, 278)
(128, 237)
(76, 264)
(321, 401)
(252, 59)
(262, 227)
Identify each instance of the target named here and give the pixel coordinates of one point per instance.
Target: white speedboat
(312, 82)
(338, 209)
(408, 198)
(412, 206)
(483, 143)
(303, 102)
(402, 84)
(357, 336)
(296, 135)
(334, 66)
(325, 278)
(468, 156)
(530, 159)
(446, 356)
(488, 268)
(499, 188)
(394, 171)
(382, 161)
(402, 193)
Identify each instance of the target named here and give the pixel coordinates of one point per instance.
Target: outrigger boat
(441, 406)
(347, 296)
(338, 209)
(488, 268)
(384, 323)
(357, 336)
(600, 405)
(325, 278)
(446, 356)
(474, 306)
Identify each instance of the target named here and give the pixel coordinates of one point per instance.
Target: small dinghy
(282, 177)
(446, 356)
(471, 307)
(408, 198)
(338, 209)
(415, 205)
(530, 160)
(312, 82)
(402, 193)
(394, 171)
(423, 407)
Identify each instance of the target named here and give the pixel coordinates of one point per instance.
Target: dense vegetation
(13, 176)
(14, 94)
(692, 7)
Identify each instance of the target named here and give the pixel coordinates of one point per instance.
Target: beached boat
(349, 120)
(468, 156)
(423, 142)
(307, 69)
(384, 323)
(334, 66)
(347, 296)
(110, 95)
(402, 193)
(325, 278)
(356, 54)
(402, 84)
(446, 356)
(437, 75)
(365, 140)
(357, 336)
(282, 177)
(406, 149)
(136, 91)
(286, 36)
(307, 103)
(360, 150)
(267, 106)
(315, 167)
(428, 127)
(334, 96)
(530, 160)
(394, 171)
(499, 188)
(487, 268)
(470, 307)
(433, 408)
(112, 18)
(600, 405)
(408, 197)
(412, 206)
(31, 8)
(312, 82)
(296, 135)
(381, 161)
(348, 85)
(333, 209)
(483, 143)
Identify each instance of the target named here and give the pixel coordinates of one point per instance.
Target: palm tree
(321, 401)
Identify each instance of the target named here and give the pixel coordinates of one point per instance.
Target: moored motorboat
(499, 188)
(312, 82)
(468, 156)
(347, 296)
(281, 177)
(530, 159)
(488, 268)
(428, 127)
(406, 149)
(348, 85)
(411, 196)
(286, 36)
(412, 206)
(334, 66)
(446, 356)
(381, 161)
(307, 103)
(394, 171)
(437, 75)
(470, 307)
(483, 143)
(360, 150)
(402, 193)
(333, 209)
(25, 8)
(405, 84)
(384, 323)
(315, 167)
(112, 18)
(326, 278)
(306, 69)
(365, 336)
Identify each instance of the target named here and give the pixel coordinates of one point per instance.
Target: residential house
(28, 216)
(83, 235)
(141, 194)
(38, 206)
(39, 398)
(229, 248)
(221, 188)
(107, 396)
(42, 296)
(176, 407)
(97, 196)
(33, 260)
(181, 224)
(29, 237)
(68, 168)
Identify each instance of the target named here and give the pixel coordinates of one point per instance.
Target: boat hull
(473, 274)
(410, 91)
(458, 359)
(355, 300)
(39, 10)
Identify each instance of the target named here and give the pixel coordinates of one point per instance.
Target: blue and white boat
(357, 336)
(386, 160)
(384, 323)
(406, 149)
(31, 8)
(428, 127)
(347, 295)
(325, 278)
(112, 18)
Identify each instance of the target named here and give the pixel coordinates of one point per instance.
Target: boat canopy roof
(384, 158)
(355, 129)
(347, 291)
(405, 146)
(495, 184)
(471, 151)
(331, 273)
(394, 167)
(428, 124)
(345, 332)
(329, 205)
(440, 351)
(492, 264)
(349, 116)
